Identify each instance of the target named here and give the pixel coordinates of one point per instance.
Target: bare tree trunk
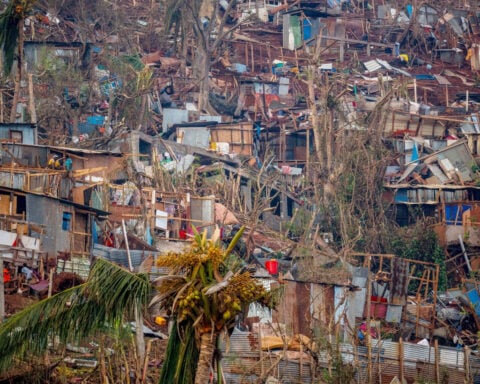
(18, 75)
(139, 340)
(204, 366)
(201, 73)
(328, 116)
(184, 51)
(330, 139)
(314, 114)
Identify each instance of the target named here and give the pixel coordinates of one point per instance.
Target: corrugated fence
(243, 362)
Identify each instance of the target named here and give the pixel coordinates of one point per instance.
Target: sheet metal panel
(173, 116)
(419, 361)
(461, 159)
(357, 302)
(119, 256)
(242, 363)
(43, 210)
(12, 180)
(203, 209)
(247, 367)
(435, 169)
(399, 285)
(410, 168)
(372, 66)
(27, 132)
(442, 80)
(195, 136)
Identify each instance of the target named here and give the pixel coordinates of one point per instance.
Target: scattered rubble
(110, 156)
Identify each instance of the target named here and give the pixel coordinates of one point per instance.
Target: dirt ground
(16, 302)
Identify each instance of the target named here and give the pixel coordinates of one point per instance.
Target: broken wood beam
(31, 101)
(467, 260)
(353, 41)
(84, 172)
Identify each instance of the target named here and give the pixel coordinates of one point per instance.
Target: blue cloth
(68, 164)
(415, 156)
(27, 272)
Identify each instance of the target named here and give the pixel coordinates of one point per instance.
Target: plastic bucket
(378, 307)
(272, 266)
(378, 310)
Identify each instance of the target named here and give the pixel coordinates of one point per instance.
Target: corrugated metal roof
(245, 363)
(386, 65)
(119, 256)
(435, 169)
(68, 149)
(460, 155)
(471, 128)
(419, 360)
(12, 180)
(372, 66)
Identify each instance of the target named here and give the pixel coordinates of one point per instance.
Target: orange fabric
(6, 275)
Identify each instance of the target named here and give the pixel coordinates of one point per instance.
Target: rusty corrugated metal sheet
(399, 283)
(295, 308)
(245, 363)
(419, 361)
(322, 297)
(12, 180)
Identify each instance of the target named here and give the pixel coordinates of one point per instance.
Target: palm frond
(164, 278)
(216, 287)
(29, 331)
(167, 286)
(181, 357)
(105, 299)
(234, 241)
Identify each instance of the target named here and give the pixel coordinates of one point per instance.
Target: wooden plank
(31, 101)
(442, 80)
(84, 172)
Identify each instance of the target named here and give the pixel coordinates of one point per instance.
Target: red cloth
(6, 275)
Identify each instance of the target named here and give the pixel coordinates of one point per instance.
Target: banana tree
(204, 296)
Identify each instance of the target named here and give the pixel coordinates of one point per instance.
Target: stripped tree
(12, 21)
(203, 23)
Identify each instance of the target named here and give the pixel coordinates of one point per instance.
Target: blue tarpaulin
(475, 300)
(307, 29)
(414, 152)
(401, 196)
(453, 214)
(238, 67)
(96, 120)
(424, 77)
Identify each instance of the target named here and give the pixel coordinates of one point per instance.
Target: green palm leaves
(203, 296)
(106, 299)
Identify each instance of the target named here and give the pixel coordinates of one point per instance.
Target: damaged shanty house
(39, 189)
(318, 308)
